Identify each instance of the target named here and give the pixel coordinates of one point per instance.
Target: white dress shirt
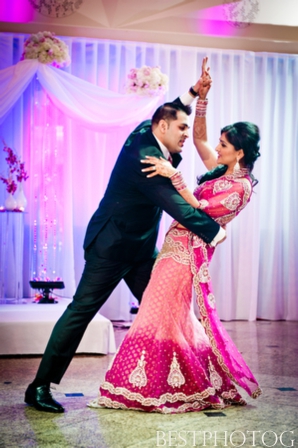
(163, 148)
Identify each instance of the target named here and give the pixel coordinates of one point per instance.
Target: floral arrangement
(47, 48)
(146, 81)
(16, 171)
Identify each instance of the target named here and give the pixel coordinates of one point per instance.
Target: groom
(121, 237)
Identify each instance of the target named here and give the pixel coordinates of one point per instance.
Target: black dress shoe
(41, 398)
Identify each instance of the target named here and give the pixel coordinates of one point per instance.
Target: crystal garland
(47, 203)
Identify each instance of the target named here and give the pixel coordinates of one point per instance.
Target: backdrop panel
(255, 270)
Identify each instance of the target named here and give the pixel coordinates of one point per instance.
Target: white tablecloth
(11, 254)
(26, 328)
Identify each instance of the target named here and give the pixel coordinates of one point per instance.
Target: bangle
(201, 108)
(193, 92)
(178, 181)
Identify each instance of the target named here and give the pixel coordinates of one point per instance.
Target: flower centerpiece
(146, 81)
(16, 175)
(47, 48)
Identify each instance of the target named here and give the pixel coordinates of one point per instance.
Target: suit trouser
(99, 279)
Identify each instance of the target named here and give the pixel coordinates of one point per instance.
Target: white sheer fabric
(90, 105)
(255, 269)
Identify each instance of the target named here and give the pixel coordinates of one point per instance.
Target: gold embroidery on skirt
(208, 330)
(175, 378)
(202, 397)
(167, 409)
(215, 378)
(138, 376)
(230, 397)
(172, 248)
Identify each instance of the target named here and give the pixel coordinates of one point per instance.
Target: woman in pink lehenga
(169, 361)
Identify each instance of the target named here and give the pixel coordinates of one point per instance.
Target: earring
(236, 167)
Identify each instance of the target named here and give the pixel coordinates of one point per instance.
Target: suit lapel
(143, 127)
(176, 159)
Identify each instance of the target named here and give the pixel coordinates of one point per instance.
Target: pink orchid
(14, 166)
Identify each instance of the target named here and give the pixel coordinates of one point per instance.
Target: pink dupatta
(222, 199)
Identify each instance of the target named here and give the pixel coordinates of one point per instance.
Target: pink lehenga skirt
(169, 361)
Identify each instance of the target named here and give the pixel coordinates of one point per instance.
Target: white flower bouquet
(47, 48)
(146, 81)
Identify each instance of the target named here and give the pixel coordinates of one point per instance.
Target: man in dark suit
(121, 237)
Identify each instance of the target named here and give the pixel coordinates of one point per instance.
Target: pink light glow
(214, 13)
(213, 22)
(16, 11)
(216, 28)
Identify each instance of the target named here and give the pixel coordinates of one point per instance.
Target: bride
(169, 361)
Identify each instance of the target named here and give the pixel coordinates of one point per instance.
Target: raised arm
(206, 152)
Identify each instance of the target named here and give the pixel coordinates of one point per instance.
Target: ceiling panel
(258, 25)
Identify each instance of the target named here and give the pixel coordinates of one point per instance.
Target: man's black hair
(168, 112)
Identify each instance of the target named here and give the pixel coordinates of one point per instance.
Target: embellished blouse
(223, 198)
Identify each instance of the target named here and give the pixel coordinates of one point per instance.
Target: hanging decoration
(146, 81)
(240, 13)
(46, 186)
(47, 49)
(56, 8)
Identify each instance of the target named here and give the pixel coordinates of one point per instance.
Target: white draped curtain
(69, 150)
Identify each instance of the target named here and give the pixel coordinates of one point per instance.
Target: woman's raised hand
(159, 167)
(203, 84)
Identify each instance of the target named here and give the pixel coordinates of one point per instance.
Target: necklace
(238, 173)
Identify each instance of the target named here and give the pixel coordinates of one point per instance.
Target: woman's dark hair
(242, 135)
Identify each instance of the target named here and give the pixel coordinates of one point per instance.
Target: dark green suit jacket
(127, 219)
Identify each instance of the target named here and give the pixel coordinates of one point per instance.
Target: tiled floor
(270, 349)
